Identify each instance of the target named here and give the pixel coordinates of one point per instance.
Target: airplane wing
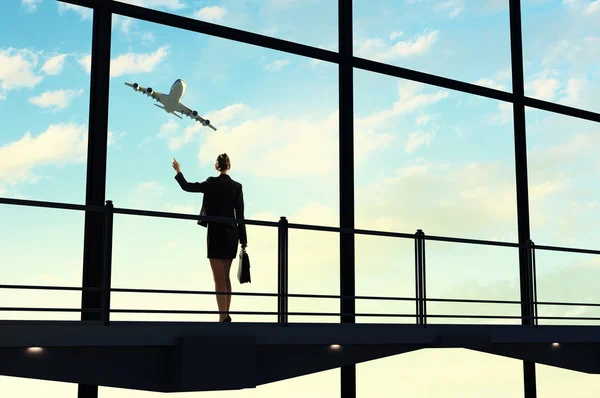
(157, 96)
(184, 110)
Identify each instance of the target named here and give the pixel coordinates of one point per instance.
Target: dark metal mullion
(346, 192)
(469, 88)
(562, 109)
(426, 78)
(272, 43)
(194, 25)
(93, 249)
(516, 44)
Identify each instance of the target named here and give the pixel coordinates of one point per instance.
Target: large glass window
(432, 159)
(276, 120)
(560, 51)
(563, 179)
(443, 162)
(425, 158)
(44, 102)
(463, 40)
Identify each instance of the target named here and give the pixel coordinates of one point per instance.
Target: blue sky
(425, 157)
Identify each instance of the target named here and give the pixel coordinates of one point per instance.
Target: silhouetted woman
(223, 197)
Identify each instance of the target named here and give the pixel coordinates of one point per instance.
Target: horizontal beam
(138, 334)
(194, 25)
(272, 43)
(161, 214)
(562, 109)
(426, 78)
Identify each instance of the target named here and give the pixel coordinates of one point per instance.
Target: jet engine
(194, 113)
(149, 90)
(206, 122)
(135, 86)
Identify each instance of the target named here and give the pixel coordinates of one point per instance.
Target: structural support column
(96, 172)
(346, 165)
(516, 44)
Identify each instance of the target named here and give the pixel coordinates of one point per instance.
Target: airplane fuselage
(175, 94)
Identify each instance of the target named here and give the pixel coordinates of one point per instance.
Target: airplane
(171, 102)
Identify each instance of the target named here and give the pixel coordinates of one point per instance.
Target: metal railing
(283, 294)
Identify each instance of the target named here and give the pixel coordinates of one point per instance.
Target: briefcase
(244, 267)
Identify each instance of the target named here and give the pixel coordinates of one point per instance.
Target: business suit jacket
(223, 197)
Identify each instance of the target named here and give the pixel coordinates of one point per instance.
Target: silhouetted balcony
(188, 356)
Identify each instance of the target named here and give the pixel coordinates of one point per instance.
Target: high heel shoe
(228, 319)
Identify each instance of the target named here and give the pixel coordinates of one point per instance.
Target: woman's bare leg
(218, 270)
(227, 268)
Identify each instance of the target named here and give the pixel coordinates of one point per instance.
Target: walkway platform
(182, 357)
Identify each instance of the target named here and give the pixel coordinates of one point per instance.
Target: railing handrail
(283, 295)
(246, 221)
(295, 295)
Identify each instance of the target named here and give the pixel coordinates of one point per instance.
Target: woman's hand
(175, 165)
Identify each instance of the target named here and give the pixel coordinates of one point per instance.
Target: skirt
(222, 241)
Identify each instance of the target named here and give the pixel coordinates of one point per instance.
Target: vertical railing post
(423, 279)
(420, 277)
(533, 284)
(417, 280)
(107, 261)
(282, 267)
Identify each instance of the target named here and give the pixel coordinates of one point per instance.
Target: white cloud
(16, 69)
(277, 65)
(587, 7)
(298, 146)
(593, 7)
(122, 22)
(395, 35)
(147, 36)
(423, 119)
(84, 12)
(175, 141)
(491, 84)
(31, 4)
(543, 86)
(54, 65)
(168, 4)
(148, 189)
(379, 50)
(169, 131)
(86, 63)
(417, 140)
(60, 144)
(113, 139)
(410, 100)
(136, 62)
(211, 14)
(184, 209)
(130, 62)
(455, 7)
(540, 190)
(573, 90)
(59, 99)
